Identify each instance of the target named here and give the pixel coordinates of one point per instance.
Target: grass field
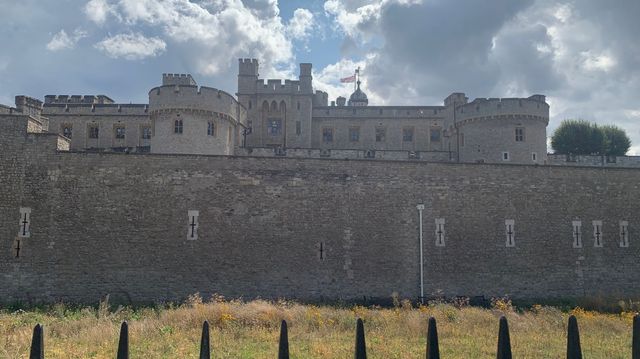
(251, 330)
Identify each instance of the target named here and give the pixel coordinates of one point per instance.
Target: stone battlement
(77, 99)
(96, 109)
(276, 86)
(379, 111)
(484, 107)
(195, 98)
(178, 79)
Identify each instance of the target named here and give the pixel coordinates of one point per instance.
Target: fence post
(361, 349)
(636, 338)
(283, 347)
(573, 339)
(433, 351)
(123, 343)
(37, 343)
(205, 349)
(504, 342)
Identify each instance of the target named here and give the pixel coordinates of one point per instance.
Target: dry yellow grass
(251, 329)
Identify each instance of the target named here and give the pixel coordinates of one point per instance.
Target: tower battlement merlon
(29, 106)
(534, 106)
(178, 79)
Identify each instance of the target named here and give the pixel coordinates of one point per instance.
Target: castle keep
(275, 192)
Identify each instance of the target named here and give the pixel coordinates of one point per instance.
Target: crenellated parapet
(194, 98)
(178, 79)
(533, 107)
(82, 109)
(78, 99)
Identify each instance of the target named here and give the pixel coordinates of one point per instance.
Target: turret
(178, 79)
(29, 106)
(247, 76)
(306, 80)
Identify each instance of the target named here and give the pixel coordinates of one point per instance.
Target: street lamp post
(420, 207)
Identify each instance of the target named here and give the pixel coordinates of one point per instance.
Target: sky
(582, 54)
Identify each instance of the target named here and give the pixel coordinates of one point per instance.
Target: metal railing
(574, 350)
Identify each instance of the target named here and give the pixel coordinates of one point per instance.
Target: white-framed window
(192, 227)
(505, 156)
(597, 234)
(624, 234)
(510, 233)
(440, 232)
(577, 234)
(119, 132)
(534, 157)
(519, 134)
(25, 223)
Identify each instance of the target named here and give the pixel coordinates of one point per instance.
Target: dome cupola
(358, 97)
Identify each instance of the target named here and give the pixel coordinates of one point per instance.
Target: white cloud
(97, 11)
(131, 46)
(300, 24)
(62, 40)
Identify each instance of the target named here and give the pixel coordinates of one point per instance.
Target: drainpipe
(420, 207)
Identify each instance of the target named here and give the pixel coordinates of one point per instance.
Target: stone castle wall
(118, 224)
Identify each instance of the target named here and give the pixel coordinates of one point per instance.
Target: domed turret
(358, 98)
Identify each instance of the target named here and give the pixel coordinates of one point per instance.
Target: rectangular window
(93, 131)
(354, 134)
(119, 132)
(597, 234)
(145, 132)
(434, 135)
(211, 128)
(274, 126)
(577, 234)
(298, 128)
(519, 134)
(25, 223)
(177, 126)
(505, 156)
(327, 135)
(624, 234)
(534, 157)
(67, 130)
(407, 134)
(510, 232)
(381, 133)
(440, 232)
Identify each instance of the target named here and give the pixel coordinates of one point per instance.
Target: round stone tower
(188, 119)
(508, 130)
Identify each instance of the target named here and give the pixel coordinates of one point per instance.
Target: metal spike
(504, 342)
(283, 349)
(573, 340)
(37, 343)
(123, 343)
(205, 348)
(361, 348)
(433, 351)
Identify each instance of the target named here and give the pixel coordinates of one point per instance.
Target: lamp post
(420, 207)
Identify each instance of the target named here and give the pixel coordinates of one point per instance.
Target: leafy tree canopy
(581, 137)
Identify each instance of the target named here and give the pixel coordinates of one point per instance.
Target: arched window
(265, 106)
(177, 126)
(274, 106)
(283, 106)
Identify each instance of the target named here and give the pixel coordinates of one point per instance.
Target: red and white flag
(351, 78)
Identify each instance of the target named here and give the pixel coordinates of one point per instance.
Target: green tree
(577, 137)
(615, 141)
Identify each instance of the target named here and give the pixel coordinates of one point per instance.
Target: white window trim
(576, 238)
(597, 227)
(624, 238)
(192, 225)
(534, 157)
(508, 157)
(24, 223)
(440, 237)
(510, 242)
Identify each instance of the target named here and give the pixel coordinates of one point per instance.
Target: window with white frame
(534, 157)
(440, 233)
(624, 234)
(577, 234)
(505, 156)
(509, 225)
(597, 233)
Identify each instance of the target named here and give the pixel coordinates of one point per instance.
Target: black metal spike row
(37, 343)
(636, 338)
(283, 348)
(205, 348)
(433, 351)
(361, 349)
(573, 339)
(504, 342)
(123, 343)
